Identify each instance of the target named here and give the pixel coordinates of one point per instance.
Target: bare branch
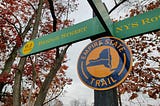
(117, 5)
(11, 24)
(54, 97)
(27, 28)
(32, 6)
(53, 15)
(54, 22)
(38, 18)
(45, 86)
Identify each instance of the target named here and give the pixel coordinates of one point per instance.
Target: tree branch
(11, 24)
(54, 97)
(18, 75)
(53, 14)
(28, 26)
(117, 5)
(115, 2)
(45, 86)
(54, 22)
(37, 20)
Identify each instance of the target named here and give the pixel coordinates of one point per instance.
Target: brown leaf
(134, 95)
(152, 94)
(65, 67)
(144, 92)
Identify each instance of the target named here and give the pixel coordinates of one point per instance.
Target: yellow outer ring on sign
(28, 47)
(130, 68)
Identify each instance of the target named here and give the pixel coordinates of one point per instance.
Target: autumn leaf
(145, 48)
(134, 95)
(18, 41)
(64, 67)
(19, 21)
(152, 94)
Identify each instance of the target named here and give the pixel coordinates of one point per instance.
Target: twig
(54, 97)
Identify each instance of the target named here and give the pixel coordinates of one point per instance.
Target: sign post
(102, 13)
(105, 97)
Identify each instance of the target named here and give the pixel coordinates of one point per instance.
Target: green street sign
(142, 23)
(68, 35)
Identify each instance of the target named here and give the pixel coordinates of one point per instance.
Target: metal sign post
(101, 12)
(105, 97)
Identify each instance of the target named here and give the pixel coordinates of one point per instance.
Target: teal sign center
(105, 63)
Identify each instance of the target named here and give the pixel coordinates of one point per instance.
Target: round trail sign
(105, 63)
(28, 47)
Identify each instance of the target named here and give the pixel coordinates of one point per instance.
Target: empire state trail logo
(104, 63)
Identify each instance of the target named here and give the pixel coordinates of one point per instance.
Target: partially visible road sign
(142, 23)
(129, 27)
(73, 33)
(105, 63)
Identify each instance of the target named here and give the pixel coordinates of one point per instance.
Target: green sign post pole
(104, 97)
(102, 13)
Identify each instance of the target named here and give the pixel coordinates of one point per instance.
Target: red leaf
(134, 95)
(152, 94)
(64, 67)
(18, 41)
(38, 82)
(4, 77)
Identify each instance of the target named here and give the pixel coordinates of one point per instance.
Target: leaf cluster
(146, 68)
(17, 24)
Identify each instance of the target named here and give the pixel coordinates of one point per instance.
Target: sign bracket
(101, 12)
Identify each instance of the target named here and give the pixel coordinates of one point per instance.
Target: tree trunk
(45, 86)
(18, 76)
(7, 67)
(17, 83)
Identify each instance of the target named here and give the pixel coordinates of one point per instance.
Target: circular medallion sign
(28, 47)
(105, 63)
